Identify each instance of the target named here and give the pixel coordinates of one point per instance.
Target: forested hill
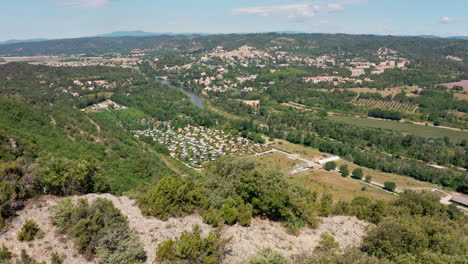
(413, 47)
(42, 123)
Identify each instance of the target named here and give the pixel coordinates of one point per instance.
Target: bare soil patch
(348, 231)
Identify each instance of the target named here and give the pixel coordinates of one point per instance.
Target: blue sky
(24, 19)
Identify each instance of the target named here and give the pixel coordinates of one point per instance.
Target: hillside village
(220, 70)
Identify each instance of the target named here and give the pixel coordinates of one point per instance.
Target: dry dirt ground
(348, 231)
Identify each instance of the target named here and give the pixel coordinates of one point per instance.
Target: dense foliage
(191, 247)
(232, 191)
(385, 114)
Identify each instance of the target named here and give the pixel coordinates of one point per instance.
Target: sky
(27, 19)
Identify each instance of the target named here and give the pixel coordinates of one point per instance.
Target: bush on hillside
(190, 247)
(26, 259)
(98, 230)
(327, 243)
(61, 176)
(29, 231)
(411, 236)
(348, 256)
(243, 187)
(266, 256)
(5, 254)
(172, 196)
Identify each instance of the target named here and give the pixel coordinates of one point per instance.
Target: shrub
(395, 237)
(349, 256)
(29, 231)
(331, 165)
(5, 254)
(254, 189)
(170, 197)
(26, 259)
(266, 256)
(326, 205)
(344, 170)
(213, 217)
(56, 258)
(115, 250)
(229, 212)
(61, 176)
(421, 203)
(357, 173)
(368, 178)
(389, 186)
(190, 247)
(98, 230)
(327, 243)
(366, 209)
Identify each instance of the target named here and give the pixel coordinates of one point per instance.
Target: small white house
(323, 161)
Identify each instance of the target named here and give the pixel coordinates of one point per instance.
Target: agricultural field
(384, 92)
(418, 130)
(394, 106)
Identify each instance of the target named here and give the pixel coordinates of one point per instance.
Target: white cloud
(298, 11)
(449, 20)
(85, 3)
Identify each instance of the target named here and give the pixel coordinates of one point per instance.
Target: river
(196, 100)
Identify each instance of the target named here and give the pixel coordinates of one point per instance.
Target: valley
(238, 148)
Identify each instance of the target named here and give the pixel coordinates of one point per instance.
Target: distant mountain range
(434, 36)
(13, 41)
(139, 33)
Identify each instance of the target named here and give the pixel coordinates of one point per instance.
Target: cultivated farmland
(386, 105)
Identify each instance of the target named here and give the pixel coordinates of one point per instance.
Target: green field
(418, 130)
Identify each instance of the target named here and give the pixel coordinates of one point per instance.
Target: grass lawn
(304, 152)
(418, 130)
(341, 188)
(402, 182)
(323, 181)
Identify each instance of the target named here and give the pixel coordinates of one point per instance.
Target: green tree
(357, 173)
(394, 237)
(171, 196)
(344, 170)
(331, 165)
(389, 186)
